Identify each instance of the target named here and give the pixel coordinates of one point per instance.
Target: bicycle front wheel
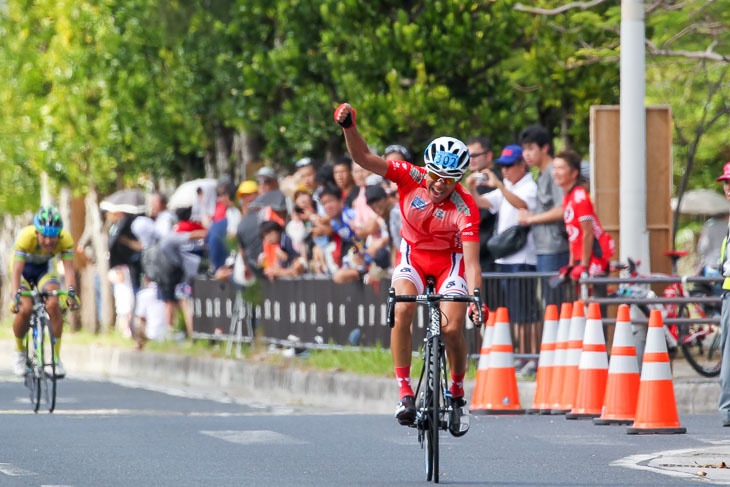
(32, 373)
(49, 367)
(434, 409)
(701, 347)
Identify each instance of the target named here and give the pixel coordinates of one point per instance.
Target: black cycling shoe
(459, 422)
(405, 413)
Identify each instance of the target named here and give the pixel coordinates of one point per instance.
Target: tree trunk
(11, 225)
(64, 208)
(98, 239)
(208, 165)
(222, 151)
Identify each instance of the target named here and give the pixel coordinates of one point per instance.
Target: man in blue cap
(518, 191)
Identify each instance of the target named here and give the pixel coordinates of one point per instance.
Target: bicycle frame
(433, 411)
(37, 377)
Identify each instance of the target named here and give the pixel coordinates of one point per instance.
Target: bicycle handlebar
(43, 294)
(433, 298)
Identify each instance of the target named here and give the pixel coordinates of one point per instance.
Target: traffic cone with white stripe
(501, 397)
(545, 363)
(572, 360)
(561, 351)
(592, 370)
(480, 388)
(622, 386)
(656, 409)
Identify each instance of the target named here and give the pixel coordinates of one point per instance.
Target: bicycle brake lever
(391, 307)
(478, 303)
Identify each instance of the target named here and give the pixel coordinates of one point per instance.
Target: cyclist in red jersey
(440, 231)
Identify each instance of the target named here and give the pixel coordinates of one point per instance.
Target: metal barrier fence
(705, 299)
(306, 312)
(317, 313)
(526, 294)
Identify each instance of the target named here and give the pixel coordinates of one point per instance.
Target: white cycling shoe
(20, 363)
(60, 370)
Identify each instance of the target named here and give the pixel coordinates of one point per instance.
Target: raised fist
(345, 116)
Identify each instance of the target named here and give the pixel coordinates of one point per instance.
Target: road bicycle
(434, 407)
(40, 373)
(691, 326)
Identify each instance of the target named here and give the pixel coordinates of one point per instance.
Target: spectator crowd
(340, 221)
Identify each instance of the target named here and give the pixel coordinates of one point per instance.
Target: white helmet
(447, 156)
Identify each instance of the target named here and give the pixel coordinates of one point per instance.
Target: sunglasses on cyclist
(435, 177)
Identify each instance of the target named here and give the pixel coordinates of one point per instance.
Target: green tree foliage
(106, 92)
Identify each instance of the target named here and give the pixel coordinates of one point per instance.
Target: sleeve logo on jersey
(439, 213)
(461, 206)
(418, 203)
(416, 175)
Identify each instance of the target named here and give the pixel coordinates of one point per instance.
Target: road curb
(270, 383)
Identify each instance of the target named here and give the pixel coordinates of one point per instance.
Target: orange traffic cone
(480, 387)
(501, 397)
(572, 359)
(656, 409)
(622, 387)
(545, 363)
(592, 370)
(561, 350)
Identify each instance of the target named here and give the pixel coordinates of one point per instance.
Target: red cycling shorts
(446, 267)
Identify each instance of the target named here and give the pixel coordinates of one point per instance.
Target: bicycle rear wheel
(701, 346)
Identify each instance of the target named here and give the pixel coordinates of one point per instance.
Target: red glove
(564, 271)
(349, 120)
(473, 315)
(576, 272)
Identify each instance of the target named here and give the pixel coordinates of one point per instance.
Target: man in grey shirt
(548, 226)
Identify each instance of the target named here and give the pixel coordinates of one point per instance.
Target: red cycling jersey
(427, 226)
(577, 207)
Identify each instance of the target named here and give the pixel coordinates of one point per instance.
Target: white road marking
(695, 463)
(153, 412)
(59, 400)
(634, 461)
(254, 437)
(13, 471)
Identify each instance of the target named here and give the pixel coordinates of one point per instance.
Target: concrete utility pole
(632, 213)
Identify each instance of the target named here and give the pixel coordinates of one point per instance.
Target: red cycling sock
(403, 376)
(457, 384)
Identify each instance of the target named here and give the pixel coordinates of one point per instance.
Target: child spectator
(281, 259)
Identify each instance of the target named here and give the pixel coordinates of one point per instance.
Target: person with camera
(516, 192)
(480, 152)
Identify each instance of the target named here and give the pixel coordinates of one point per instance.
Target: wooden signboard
(605, 177)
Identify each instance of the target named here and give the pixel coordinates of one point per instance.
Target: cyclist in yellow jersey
(32, 263)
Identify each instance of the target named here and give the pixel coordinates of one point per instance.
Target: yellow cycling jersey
(28, 249)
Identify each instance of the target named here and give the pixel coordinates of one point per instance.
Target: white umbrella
(125, 201)
(186, 195)
(702, 202)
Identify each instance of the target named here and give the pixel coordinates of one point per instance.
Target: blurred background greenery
(102, 94)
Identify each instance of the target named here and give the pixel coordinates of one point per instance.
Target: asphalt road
(112, 434)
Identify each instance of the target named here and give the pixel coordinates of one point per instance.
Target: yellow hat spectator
(247, 187)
